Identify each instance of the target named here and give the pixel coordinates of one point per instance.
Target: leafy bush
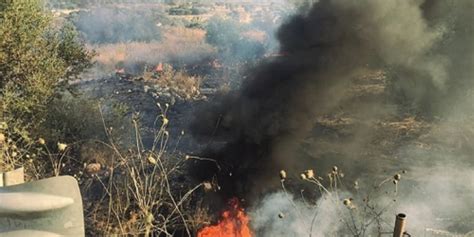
(184, 10)
(73, 119)
(36, 59)
(180, 11)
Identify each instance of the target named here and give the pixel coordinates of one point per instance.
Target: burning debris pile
(260, 129)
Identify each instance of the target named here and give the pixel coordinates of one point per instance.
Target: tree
(36, 58)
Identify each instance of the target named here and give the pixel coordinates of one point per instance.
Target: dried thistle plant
(362, 213)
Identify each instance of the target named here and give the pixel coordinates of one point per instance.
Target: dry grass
(140, 194)
(137, 191)
(174, 82)
(404, 127)
(179, 44)
(38, 159)
(368, 82)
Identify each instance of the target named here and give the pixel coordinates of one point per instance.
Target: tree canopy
(37, 56)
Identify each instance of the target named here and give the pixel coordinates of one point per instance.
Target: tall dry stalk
(140, 191)
(361, 213)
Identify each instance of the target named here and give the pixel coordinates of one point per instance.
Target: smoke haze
(423, 52)
(279, 105)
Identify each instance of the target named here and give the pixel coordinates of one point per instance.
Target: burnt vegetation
(312, 118)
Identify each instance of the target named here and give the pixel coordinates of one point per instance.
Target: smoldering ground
(424, 49)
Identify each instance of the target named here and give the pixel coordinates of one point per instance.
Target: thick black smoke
(261, 126)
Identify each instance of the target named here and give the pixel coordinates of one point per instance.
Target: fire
(159, 67)
(233, 223)
(120, 70)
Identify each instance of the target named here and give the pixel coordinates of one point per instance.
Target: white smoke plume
(280, 214)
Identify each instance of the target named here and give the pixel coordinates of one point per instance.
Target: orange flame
(233, 223)
(120, 70)
(159, 67)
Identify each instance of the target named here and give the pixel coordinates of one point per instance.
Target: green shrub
(37, 58)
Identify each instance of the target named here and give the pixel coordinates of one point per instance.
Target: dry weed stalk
(361, 214)
(38, 160)
(182, 44)
(141, 190)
